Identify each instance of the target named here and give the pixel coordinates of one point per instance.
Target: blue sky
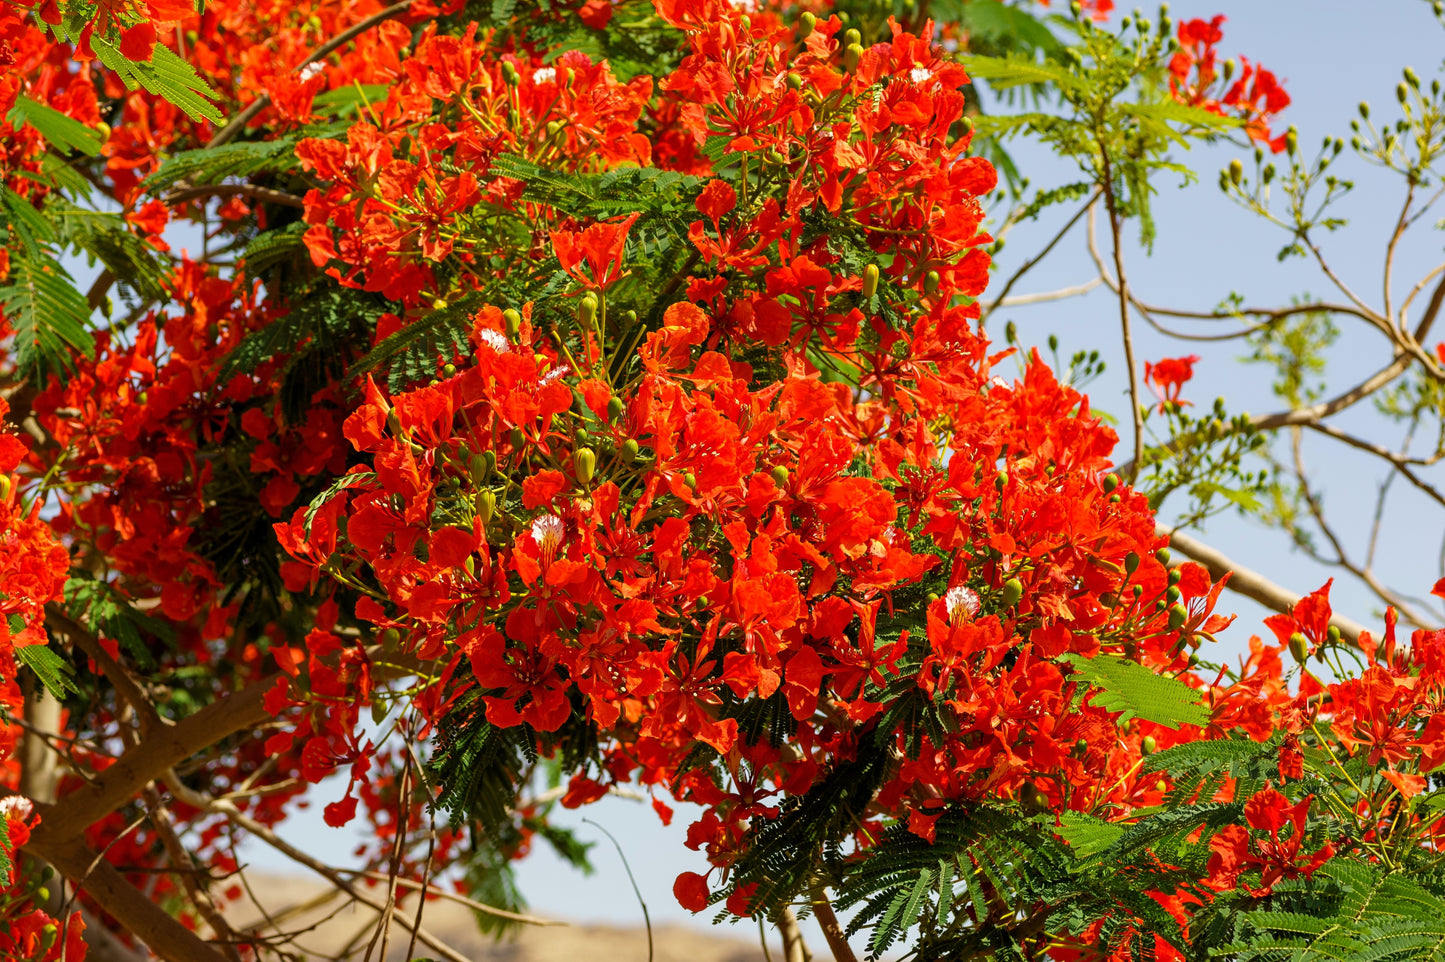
(1330, 55)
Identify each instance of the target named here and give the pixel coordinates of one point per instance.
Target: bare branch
(828, 922)
(1046, 296)
(1246, 581)
(1033, 261)
(279, 197)
(1136, 412)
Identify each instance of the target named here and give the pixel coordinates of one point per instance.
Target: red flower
(598, 248)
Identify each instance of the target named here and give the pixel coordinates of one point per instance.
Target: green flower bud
(1162, 556)
(587, 311)
(1111, 481)
(852, 57)
(690, 479)
(485, 502)
(1178, 615)
(806, 23)
(851, 37)
(931, 280)
(584, 462)
(1175, 576)
(795, 80)
(1131, 562)
(514, 323)
(615, 409)
(870, 281)
(1236, 171)
(1299, 647)
(780, 475)
(629, 450)
(1148, 745)
(1333, 634)
(388, 638)
(509, 73)
(1173, 594)
(1013, 590)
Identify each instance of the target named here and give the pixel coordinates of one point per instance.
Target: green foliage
(166, 75)
(212, 165)
(49, 316)
(60, 131)
(1351, 911)
(53, 671)
(1134, 690)
(102, 605)
(5, 863)
(417, 351)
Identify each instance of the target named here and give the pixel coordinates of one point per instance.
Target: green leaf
(1087, 835)
(335, 488)
(166, 75)
(54, 672)
(1000, 24)
(5, 864)
(1134, 691)
(1016, 71)
(49, 316)
(63, 133)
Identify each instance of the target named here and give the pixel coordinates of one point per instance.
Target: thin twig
(646, 918)
(1136, 412)
(1033, 261)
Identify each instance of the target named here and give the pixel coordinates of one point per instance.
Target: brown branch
(1136, 412)
(794, 950)
(137, 914)
(442, 893)
(828, 921)
(1246, 581)
(191, 880)
(266, 194)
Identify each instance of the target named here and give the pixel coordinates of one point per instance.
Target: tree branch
(1246, 581)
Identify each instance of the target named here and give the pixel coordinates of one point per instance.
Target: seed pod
(1178, 614)
(485, 501)
(780, 475)
(870, 281)
(615, 410)
(852, 57)
(1111, 481)
(1148, 745)
(1236, 171)
(584, 462)
(1299, 647)
(514, 323)
(931, 280)
(1131, 562)
(629, 450)
(1013, 590)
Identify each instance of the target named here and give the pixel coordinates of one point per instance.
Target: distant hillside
(320, 937)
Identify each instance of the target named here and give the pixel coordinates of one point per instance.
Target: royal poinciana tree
(571, 399)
